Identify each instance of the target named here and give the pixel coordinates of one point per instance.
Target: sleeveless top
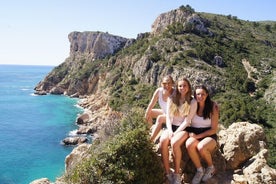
(199, 122)
(177, 120)
(161, 102)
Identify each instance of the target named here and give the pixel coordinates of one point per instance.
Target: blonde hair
(177, 108)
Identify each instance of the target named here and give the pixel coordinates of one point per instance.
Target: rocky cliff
(240, 158)
(184, 16)
(95, 45)
(79, 75)
(101, 64)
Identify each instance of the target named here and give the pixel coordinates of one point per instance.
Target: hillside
(236, 59)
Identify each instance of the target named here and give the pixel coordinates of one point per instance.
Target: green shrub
(127, 157)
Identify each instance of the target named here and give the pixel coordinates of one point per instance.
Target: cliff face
(184, 17)
(94, 45)
(99, 60)
(79, 75)
(87, 47)
(162, 51)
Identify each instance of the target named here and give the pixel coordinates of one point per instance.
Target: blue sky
(35, 32)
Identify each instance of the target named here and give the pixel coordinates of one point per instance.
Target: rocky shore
(241, 155)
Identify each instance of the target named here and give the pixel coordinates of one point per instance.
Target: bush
(127, 157)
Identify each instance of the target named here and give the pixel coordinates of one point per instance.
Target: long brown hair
(176, 107)
(208, 104)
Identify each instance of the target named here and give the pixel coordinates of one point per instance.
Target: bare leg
(158, 126)
(153, 114)
(191, 145)
(176, 143)
(164, 145)
(205, 148)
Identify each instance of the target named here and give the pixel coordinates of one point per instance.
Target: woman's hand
(193, 135)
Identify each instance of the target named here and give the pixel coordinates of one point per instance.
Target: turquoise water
(32, 126)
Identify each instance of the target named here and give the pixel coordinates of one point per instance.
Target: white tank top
(177, 120)
(199, 122)
(161, 102)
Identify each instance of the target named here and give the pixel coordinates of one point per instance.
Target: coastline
(32, 126)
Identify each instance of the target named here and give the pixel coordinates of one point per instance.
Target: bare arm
(168, 119)
(214, 123)
(152, 103)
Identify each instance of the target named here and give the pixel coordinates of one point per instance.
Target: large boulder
(240, 158)
(240, 142)
(243, 150)
(74, 140)
(78, 154)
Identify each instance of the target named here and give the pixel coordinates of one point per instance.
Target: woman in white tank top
(160, 95)
(202, 135)
(180, 110)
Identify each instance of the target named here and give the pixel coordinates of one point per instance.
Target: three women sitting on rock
(194, 120)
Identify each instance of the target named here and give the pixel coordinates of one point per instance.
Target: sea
(32, 126)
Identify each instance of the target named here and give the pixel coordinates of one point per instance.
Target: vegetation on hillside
(240, 98)
(126, 155)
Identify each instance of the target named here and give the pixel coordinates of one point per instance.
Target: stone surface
(74, 140)
(41, 181)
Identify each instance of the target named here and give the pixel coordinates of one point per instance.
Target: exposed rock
(85, 48)
(165, 19)
(97, 109)
(250, 70)
(76, 95)
(40, 92)
(74, 140)
(78, 154)
(256, 169)
(41, 181)
(242, 146)
(270, 93)
(200, 24)
(141, 67)
(57, 90)
(240, 158)
(240, 142)
(241, 154)
(83, 119)
(186, 18)
(219, 61)
(96, 44)
(86, 130)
